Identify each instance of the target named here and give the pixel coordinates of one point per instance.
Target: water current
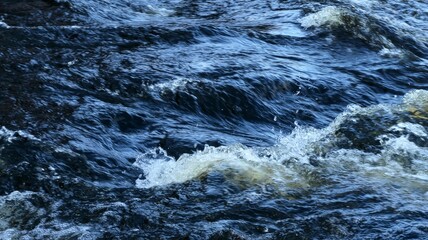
(190, 119)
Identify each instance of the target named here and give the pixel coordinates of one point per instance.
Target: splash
(238, 163)
(417, 99)
(307, 156)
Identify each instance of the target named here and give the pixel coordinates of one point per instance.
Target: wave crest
(352, 144)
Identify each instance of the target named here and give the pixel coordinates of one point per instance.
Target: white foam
(173, 85)
(237, 162)
(288, 163)
(416, 99)
(278, 165)
(402, 149)
(328, 16)
(358, 19)
(416, 129)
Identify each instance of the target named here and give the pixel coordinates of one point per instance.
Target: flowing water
(190, 119)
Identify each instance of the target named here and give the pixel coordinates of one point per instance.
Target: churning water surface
(189, 119)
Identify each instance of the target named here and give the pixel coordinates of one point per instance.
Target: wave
(388, 142)
(382, 31)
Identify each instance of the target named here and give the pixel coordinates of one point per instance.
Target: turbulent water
(263, 119)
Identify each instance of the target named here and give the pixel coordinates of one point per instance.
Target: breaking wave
(352, 144)
(132, 119)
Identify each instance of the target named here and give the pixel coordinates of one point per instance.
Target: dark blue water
(213, 119)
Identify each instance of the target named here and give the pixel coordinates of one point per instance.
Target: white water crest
(173, 85)
(416, 99)
(237, 162)
(307, 155)
(328, 16)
